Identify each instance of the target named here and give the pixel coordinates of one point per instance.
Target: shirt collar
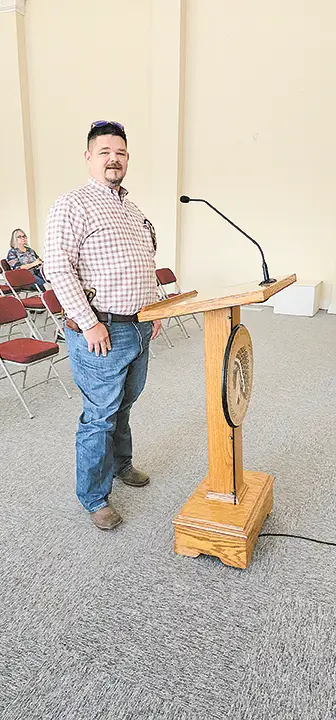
(100, 186)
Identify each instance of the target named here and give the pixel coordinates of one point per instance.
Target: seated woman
(23, 257)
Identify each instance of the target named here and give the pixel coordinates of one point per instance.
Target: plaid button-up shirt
(97, 239)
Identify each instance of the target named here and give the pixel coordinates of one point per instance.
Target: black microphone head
(184, 199)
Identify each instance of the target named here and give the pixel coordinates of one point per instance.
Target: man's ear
(87, 155)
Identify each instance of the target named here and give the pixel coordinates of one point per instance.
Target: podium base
(214, 527)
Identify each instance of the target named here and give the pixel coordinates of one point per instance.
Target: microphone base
(268, 282)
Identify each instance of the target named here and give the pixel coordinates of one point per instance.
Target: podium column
(224, 515)
(225, 476)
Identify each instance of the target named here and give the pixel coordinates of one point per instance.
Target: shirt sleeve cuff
(86, 319)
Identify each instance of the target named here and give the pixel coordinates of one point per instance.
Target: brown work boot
(134, 477)
(106, 518)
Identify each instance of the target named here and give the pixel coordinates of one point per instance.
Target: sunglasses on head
(101, 123)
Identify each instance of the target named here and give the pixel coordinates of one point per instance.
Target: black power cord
(298, 537)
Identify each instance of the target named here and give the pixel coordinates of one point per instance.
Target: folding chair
(8, 289)
(165, 276)
(4, 264)
(55, 312)
(24, 352)
(24, 281)
(41, 269)
(21, 281)
(4, 289)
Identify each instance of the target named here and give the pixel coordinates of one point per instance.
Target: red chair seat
(27, 350)
(5, 289)
(33, 303)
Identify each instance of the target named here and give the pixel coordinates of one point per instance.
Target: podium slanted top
(192, 302)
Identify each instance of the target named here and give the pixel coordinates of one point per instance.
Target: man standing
(99, 258)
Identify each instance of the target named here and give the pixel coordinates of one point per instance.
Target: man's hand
(98, 339)
(156, 329)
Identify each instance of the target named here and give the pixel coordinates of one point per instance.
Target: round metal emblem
(237, 375)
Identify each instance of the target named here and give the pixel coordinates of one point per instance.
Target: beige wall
(107, 61)
(260, 139)
(87, 61)
(248, 123)
(13, 187)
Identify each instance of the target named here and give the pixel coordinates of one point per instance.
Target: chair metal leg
(33, 329)
(167, 339)
(60, 381)
(16, 389)
(182, 327)
(24, 377)
(197, 321)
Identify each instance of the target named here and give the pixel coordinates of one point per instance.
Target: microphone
(267, 280)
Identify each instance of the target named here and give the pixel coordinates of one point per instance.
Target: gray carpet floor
(114, 626)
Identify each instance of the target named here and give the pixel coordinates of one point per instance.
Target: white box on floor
(302, 298)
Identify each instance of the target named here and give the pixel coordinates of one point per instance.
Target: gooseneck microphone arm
(267, 280)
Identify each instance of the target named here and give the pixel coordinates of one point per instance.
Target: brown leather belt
(102, 317)
(113, 317)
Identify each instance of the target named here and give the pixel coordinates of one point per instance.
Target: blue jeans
(109, 386)
(38, 278)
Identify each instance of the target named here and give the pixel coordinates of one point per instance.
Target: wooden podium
(224, 515)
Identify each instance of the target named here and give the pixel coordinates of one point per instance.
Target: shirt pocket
(144, 230)
(98, 243)
(149, 227)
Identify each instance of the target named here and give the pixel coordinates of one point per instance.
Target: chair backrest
(20, 279)
(165, 276)
(4, 264)
(41, 269)
(11, 309)
(50, 300)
